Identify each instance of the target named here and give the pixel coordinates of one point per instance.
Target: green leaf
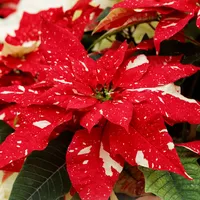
(5, 130)
(44, 175)
(103, 14)
(170, 186)
(198, 128)
(89, 39)
(192, 30)
(76, 197)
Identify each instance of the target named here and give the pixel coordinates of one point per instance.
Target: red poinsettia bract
(22, 48)
(123, 105)
(31, 31)
(174, 15)
(7, 7)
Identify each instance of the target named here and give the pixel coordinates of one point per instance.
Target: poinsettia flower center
(103, 93)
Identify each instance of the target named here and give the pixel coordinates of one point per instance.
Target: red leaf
(9, 1)
(182, 5)
(28, 64)
(110, 62)
(132, 71)
(79, 102)
(161, 70)
(118, 112)
(168, 102)
(58, 44)
(88, 158)
(7, 7)
(5, 12)
(84, 71)
(198, 19)
(19, 94)
(9, 114)
(91, 118)
(169, 26)
(34, 128)
(84, 21)
(146, 144)
(192, 146)
(119, 17)
(31, 31)
(15, 166)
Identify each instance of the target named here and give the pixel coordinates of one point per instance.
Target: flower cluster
(119, 104)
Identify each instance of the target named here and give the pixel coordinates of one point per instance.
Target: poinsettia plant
(102, 100)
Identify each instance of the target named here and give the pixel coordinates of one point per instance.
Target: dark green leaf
(44, 175)
(192, 30)
(171, 47)
(198, 128)
(170, 186)
(5, 130)
(76, 197)
(192, 59)
(103, 14)
(89, 39)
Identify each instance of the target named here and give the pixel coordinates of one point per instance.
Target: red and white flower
(122, 104)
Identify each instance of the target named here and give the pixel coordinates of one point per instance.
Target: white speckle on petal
(19, 142)
(170, 145)
(11, 92)
(101, 112)
(57, 93)
(138, 10)
(62, 81)
(173, 90)
(169, 25)
(163, 131)
(140, 160)
(85, 162)
(33, 91)
(41, 124)
(169, 3)
(21, 88)
(188, 175)
(175, 67)
(26, 152)
(195, 151)
(140, 60)
(161, 100)
(28, 44)
(84, 65)
(85, 150)
(74, 91)
(108, 162)
(2, 116)
(170, 89)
